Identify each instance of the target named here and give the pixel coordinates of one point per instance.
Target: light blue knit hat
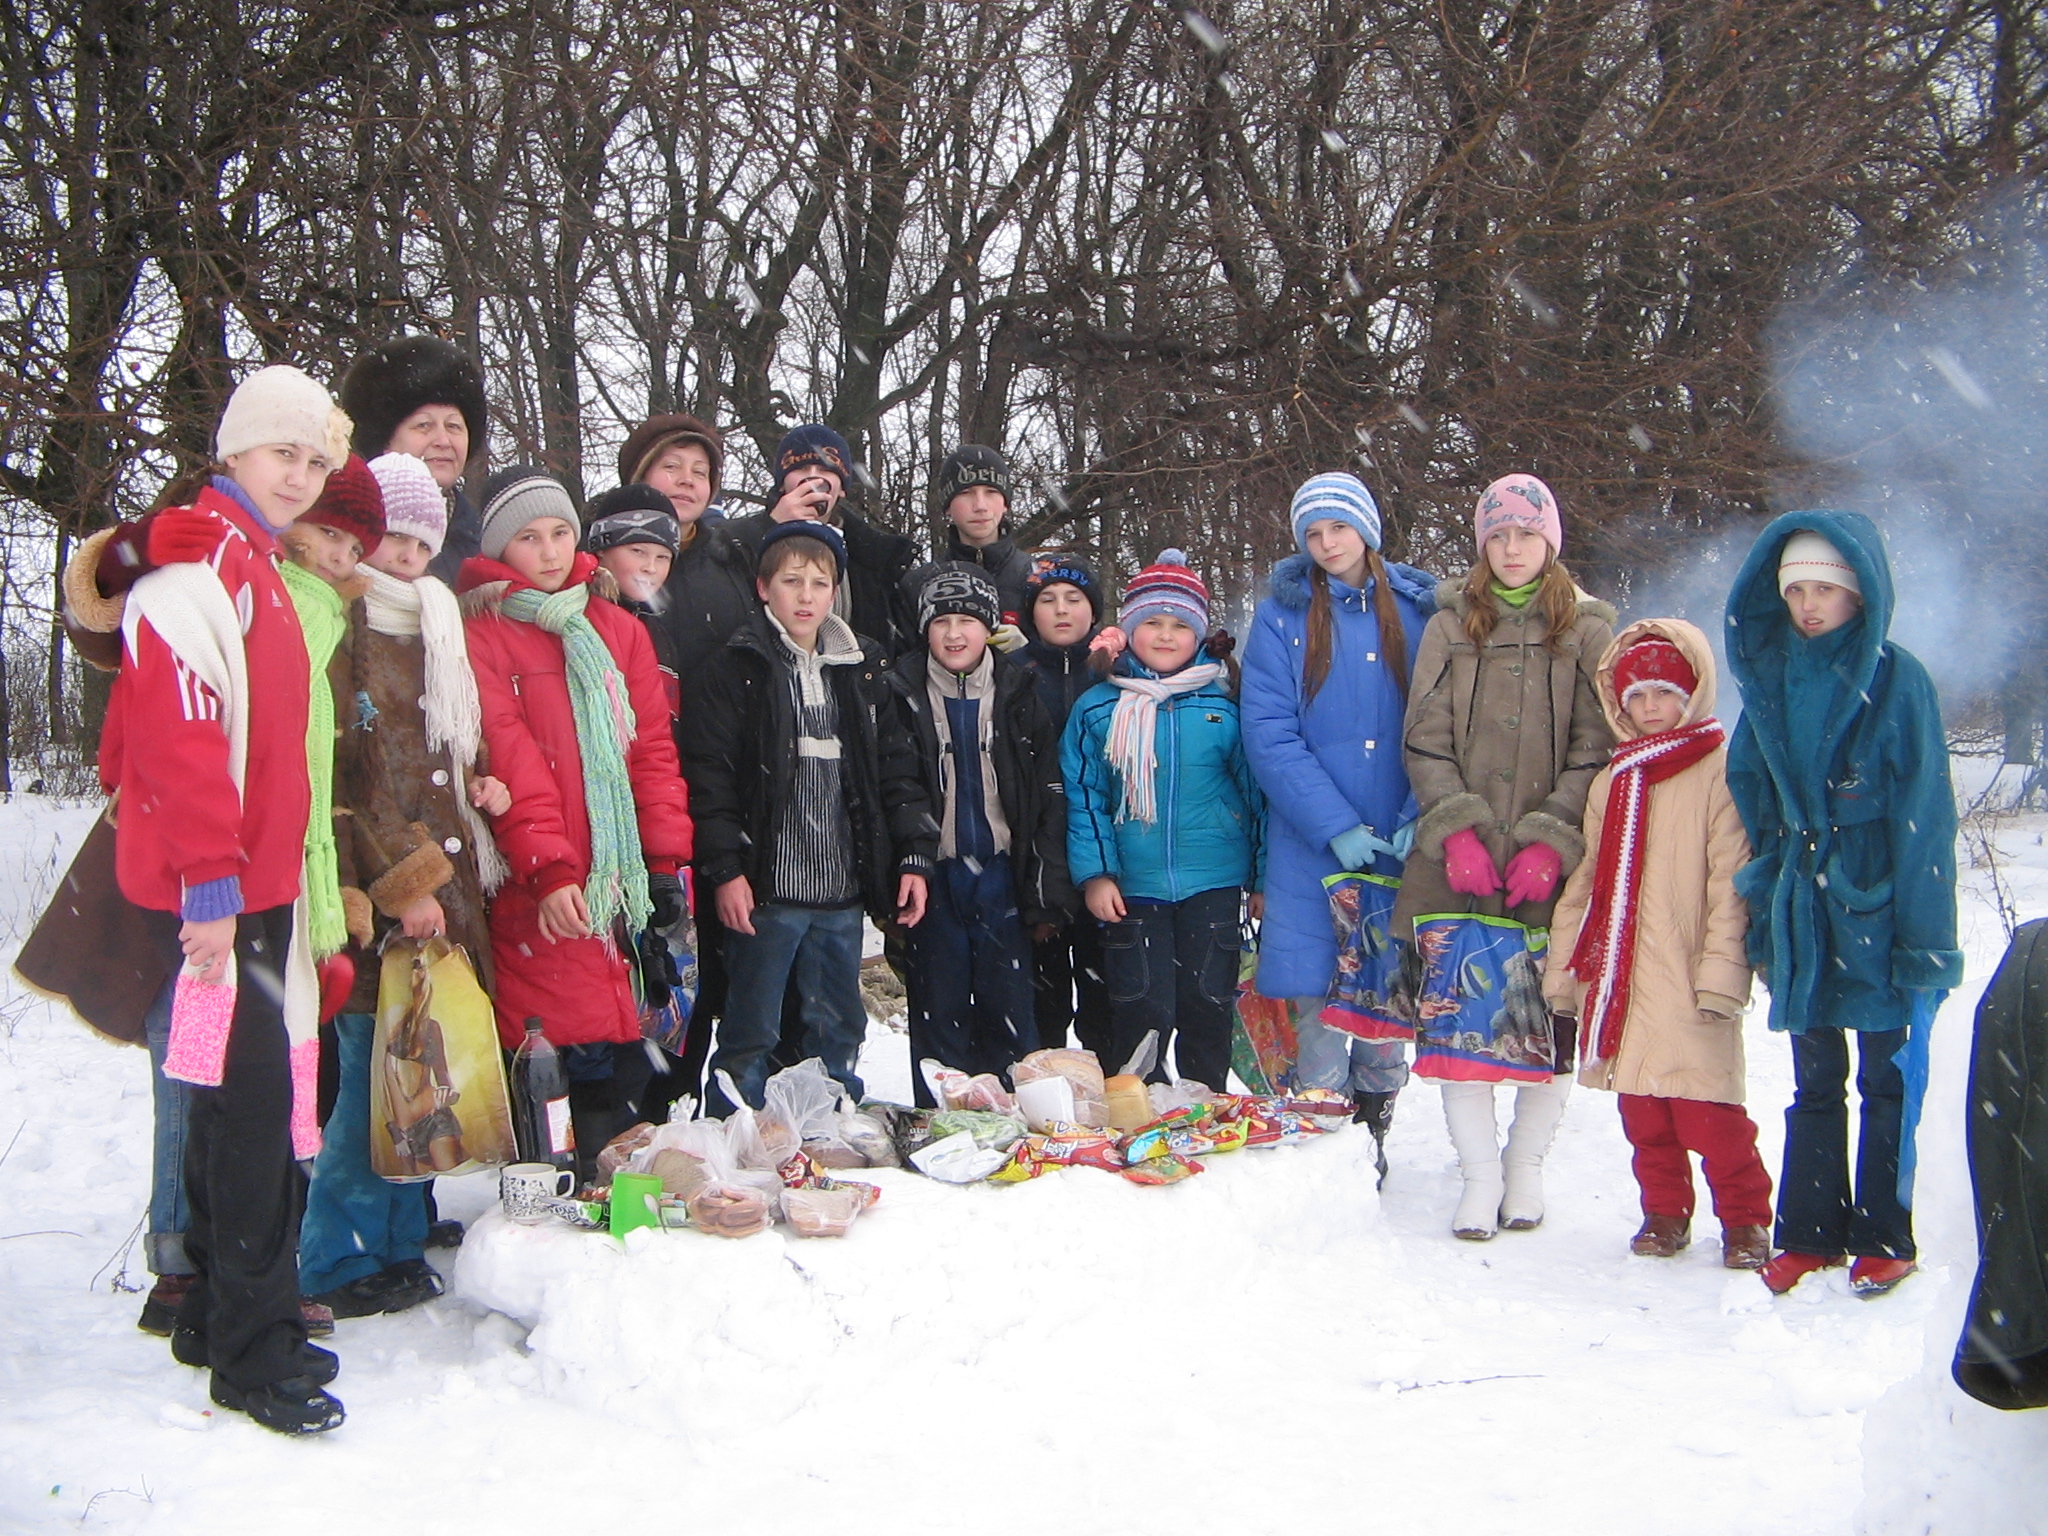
(1341, 495)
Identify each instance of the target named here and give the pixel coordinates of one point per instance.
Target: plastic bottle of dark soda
(540, 1102)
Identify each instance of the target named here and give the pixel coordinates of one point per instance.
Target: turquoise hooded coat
(1839, 767)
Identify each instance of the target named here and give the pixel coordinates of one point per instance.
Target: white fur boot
(1468, 1112)
(1538, 1108)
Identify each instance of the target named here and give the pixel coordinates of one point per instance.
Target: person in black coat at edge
(2002, 1357)
(1062, 610)
(812, 468)
(973, 489)
(422, 396)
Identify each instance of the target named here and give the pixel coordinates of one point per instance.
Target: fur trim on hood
(1289, 584)
(1450, 596)
(1691, 643)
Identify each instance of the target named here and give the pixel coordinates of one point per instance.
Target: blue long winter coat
(1210, 811)
(1839, 767)
(1325, 765)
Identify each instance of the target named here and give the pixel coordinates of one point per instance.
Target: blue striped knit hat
(1340, 495)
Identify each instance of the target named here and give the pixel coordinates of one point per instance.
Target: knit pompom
(1171, 557)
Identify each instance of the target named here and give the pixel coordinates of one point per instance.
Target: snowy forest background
(1693, 261)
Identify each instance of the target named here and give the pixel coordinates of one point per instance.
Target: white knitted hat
(413, 502)
(281, 404)
(1809, 557)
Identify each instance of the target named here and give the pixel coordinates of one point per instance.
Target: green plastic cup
(635, 1202)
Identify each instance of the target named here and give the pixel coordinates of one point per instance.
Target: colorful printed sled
(1365, 998)
(1480, 1014)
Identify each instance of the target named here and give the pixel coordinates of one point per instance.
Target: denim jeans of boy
(163, 1247)
(972, 1003)
(822, 946)
(356, 1223)
(1329, 1058)
(1172, 967)
(1817, 1211)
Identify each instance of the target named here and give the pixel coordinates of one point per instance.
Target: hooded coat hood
(1839, 766)
(1692, 645)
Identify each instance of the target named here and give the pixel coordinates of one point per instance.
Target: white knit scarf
(1132, 747)
(455, 722)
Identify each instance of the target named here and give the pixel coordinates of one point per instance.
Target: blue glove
(1355, 849)
(1404, 840)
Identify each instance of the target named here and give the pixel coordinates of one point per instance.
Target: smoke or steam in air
(1926, 406)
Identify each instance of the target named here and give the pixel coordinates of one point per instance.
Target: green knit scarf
(605, 727)
(1517, 597)
(323, 620)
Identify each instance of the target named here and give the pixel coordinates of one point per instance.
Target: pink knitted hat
(1518, 501)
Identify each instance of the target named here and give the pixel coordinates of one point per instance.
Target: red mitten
(1468, 866)
(1532, 874)
(337, 981)
(178, 535)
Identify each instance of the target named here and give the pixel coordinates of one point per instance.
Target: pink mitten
(1532, 874)
(202, 1016)
(1468, 866)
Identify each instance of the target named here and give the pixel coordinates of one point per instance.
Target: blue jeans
(1816, 1211)
(163, 1249)
(972, 1002)
(822, 945)
(1329, 1058)
(356, 1223)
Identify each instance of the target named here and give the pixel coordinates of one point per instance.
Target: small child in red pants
(1646, 946)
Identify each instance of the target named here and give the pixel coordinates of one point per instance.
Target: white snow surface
(1271, 1343)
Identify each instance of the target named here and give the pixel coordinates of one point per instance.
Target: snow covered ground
(1270, 1344)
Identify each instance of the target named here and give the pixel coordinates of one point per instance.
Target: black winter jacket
(1026, 747)
(1003, 563)
(739, 757)
(465, 538)
(1061, 675)
(2002, 1357)
(876, 561)
(710, 595)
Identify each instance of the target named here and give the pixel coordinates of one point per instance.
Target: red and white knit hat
(1166, 586)
(1654, 662)
(1807, 556)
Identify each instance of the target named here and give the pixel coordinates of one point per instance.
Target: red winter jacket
(165, 745)
(580, 987)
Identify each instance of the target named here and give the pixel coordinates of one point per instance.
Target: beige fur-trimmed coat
(1682, 1038)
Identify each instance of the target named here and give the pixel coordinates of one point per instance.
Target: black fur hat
(395, 378)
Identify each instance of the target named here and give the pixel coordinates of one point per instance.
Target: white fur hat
(281, 404)
(1809, 557)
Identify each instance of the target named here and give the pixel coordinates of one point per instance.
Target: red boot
(1790, 1267)
(1875, 1277)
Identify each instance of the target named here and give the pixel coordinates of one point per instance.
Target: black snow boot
(294, 1406)
(1375, 1111)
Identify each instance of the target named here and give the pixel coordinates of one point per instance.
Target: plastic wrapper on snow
(976, 1283)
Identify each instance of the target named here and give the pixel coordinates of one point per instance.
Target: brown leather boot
(1745, 1247)
(1661, 1237)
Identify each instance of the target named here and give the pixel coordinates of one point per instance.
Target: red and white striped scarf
(1606, 950)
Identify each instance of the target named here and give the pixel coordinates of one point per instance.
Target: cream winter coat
(1689, 961)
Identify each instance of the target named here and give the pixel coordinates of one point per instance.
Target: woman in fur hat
(422, 396)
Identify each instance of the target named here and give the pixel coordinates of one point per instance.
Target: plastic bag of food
(910, 1130)
(954, 1089)
(729, 1210)
(805, 1098)
(1168, 1097)
(620, 1149)
(681, 1173)
(821, 1212)
(987, 1127)
(869, 1136)
(1162, 1170)
(762, 1140)
(956, 1159)
(1079, 1068)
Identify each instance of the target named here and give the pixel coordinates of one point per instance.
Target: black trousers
(243, 1186)
(1072, 990)
(1817, 1211)
(1173, 967)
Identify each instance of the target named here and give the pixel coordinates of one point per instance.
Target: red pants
(1663, 1131)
